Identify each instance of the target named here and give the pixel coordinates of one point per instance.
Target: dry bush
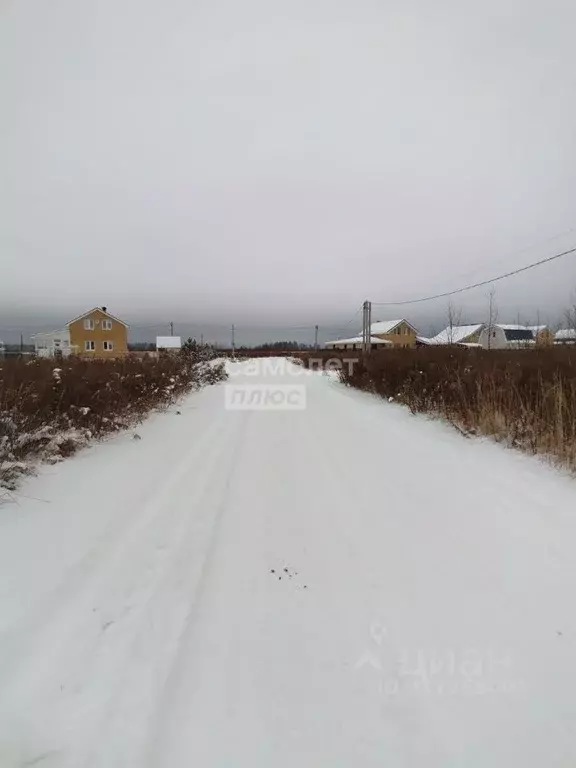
(48, 409)
(525, 398)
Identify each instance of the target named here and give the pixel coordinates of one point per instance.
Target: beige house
(400, 333)
(97, 333)
(384, 334)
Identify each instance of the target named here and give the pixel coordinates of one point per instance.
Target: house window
(107, 346)
(106, 325)
(88, 324)
(89, 346)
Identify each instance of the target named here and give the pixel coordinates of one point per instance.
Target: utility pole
(316, 337)
(233, 342)
(171, 329)
(21, 343)
(366, 327)
(369, 328)
(201, 338)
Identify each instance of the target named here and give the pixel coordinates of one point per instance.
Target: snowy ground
(426, 616)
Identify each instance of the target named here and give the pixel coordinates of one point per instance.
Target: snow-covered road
(344, 585)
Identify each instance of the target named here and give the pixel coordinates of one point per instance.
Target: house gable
(97, 333)
(99, 311)
(387, 327)
(399, 332)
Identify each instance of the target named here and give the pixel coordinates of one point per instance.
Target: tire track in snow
(121, 606)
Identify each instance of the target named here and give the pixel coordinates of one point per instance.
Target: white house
(507, 337)
(168, 343)
(52, 343)
(355, 342)
(565, 336)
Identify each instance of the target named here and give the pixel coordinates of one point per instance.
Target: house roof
(168, 342)
(454, 335)
(358, 340)
(387, 326)
(60, 331)
(566, 333)
(98, 309)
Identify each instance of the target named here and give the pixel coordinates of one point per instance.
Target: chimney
(103, 309)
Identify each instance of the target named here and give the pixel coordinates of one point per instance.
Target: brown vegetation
(50, 408)
(526, 398)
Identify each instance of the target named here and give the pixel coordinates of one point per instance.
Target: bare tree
(570, 317)
(454, 320)
(492, 315)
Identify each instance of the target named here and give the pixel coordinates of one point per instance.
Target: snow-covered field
(340, 584)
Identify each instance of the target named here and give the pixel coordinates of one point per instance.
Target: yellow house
(97, 333)
(400, 333)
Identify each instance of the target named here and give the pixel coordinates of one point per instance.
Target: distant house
(500, 336)
(355, 342)
(464, 335)
(565, 336)
(52, 343)
(97, 333)
(383, 333)
(2, 348)
(164, 343)
(400, 333)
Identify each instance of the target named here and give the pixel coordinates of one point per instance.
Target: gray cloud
(276, 163)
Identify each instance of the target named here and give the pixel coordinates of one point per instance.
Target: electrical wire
(475, 285)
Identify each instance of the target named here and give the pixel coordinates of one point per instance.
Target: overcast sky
(275, 162)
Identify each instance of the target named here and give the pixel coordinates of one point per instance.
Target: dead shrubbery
(525, 398)
(49, 409)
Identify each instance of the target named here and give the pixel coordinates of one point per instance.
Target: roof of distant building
(358, 340)
(566, 333)
(387, 326)
(98, 309)
(454, 334)
(168, 342)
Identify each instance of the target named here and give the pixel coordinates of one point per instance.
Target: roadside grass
(49, 409)
(523, 398)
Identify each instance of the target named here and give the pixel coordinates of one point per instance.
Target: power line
(475, 285)
(348, 324)
(498, 262)
(360, 308)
